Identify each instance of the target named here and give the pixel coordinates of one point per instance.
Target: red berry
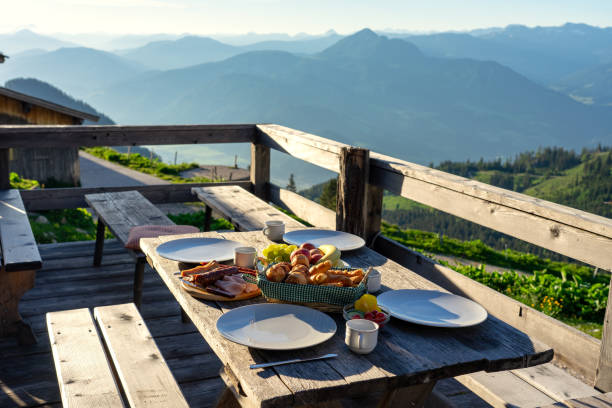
(369, 316)
(355, 317)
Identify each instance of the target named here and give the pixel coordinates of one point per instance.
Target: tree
(291, 185)
(328, 196)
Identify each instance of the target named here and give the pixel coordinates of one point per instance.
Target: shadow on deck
(69, 281)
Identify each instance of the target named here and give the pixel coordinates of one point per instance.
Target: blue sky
(291, 16)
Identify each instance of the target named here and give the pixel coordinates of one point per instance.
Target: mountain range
(424, 98)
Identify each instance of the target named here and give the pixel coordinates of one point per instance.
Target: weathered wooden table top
(407, 354)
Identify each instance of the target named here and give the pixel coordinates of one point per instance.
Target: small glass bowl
(348, 310)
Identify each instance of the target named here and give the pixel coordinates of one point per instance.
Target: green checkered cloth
(290, 292)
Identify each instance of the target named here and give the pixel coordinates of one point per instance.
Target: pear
(330, 253)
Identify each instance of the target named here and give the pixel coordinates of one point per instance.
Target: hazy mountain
(25, 39)
(43, 90)
(252, 38)
(180, 53)
(113, 42)
(592, 86)
(77, 71)
(193, 50)
(543, 54)
(371, 91)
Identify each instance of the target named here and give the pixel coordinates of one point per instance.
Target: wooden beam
(314, 213)
(5, 182)
(58, 198)
(260, 170)
(387, 166)
(581, 244)
(305, 146)
(572, 347)
(65, 136)
(351, 200)
(373, 211)
(603, 377)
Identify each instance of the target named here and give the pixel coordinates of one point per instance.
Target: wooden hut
(51, 166)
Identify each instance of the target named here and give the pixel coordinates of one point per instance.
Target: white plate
(432, 308)
(341, 240)
(276, 326)
(196, 250)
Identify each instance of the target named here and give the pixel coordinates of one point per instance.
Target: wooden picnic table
(404, 367)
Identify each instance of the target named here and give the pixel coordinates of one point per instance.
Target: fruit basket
(324, 298)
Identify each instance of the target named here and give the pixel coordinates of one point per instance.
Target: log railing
(363, 176)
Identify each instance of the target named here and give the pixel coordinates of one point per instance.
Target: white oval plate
(341, 240)
(432, 308)
(196, 250)
(276, 326)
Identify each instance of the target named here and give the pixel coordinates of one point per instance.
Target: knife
(296, 360)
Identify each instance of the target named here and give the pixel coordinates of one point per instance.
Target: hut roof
(47, 105)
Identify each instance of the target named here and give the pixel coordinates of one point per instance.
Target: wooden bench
(543, 385)
(124, 365)
(120, 211)
(244, 210)
(20, 261)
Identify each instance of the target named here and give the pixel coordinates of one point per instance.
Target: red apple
(316, 251)
(315, 258)
(300, 251)
(307, 245)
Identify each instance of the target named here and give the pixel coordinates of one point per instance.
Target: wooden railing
(362, 178)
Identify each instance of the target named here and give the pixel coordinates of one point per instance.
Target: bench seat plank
(555, 382)
(142, 370)
(121, 211)
(19, 249)
(594, 401)
(83, 372)
(244, 210)
(503, 389)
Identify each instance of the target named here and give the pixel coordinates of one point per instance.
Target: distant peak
(365, 33)
(366, 44)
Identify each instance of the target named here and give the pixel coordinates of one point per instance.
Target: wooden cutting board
(203, 294)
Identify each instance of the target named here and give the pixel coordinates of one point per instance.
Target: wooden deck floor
(69, 281)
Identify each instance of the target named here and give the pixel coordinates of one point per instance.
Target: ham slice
(234, 285)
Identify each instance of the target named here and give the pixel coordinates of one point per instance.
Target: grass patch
(135, 161)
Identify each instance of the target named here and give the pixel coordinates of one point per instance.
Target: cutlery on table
(296, 360)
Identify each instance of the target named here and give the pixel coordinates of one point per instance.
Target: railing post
(260, 170)
(374, 207)
(351, 203)
(5, 181)
(603, 375)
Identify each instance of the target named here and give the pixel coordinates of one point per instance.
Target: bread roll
(276, 273)
(300, 259)
(296, 278)
(318, 278)
(344, 280)
(300, 268)
(320, 268)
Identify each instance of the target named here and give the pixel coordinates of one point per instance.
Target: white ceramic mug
(245, 257)
(361, 335)
(274, 230)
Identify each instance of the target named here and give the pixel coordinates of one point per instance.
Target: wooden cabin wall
(46, 165)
